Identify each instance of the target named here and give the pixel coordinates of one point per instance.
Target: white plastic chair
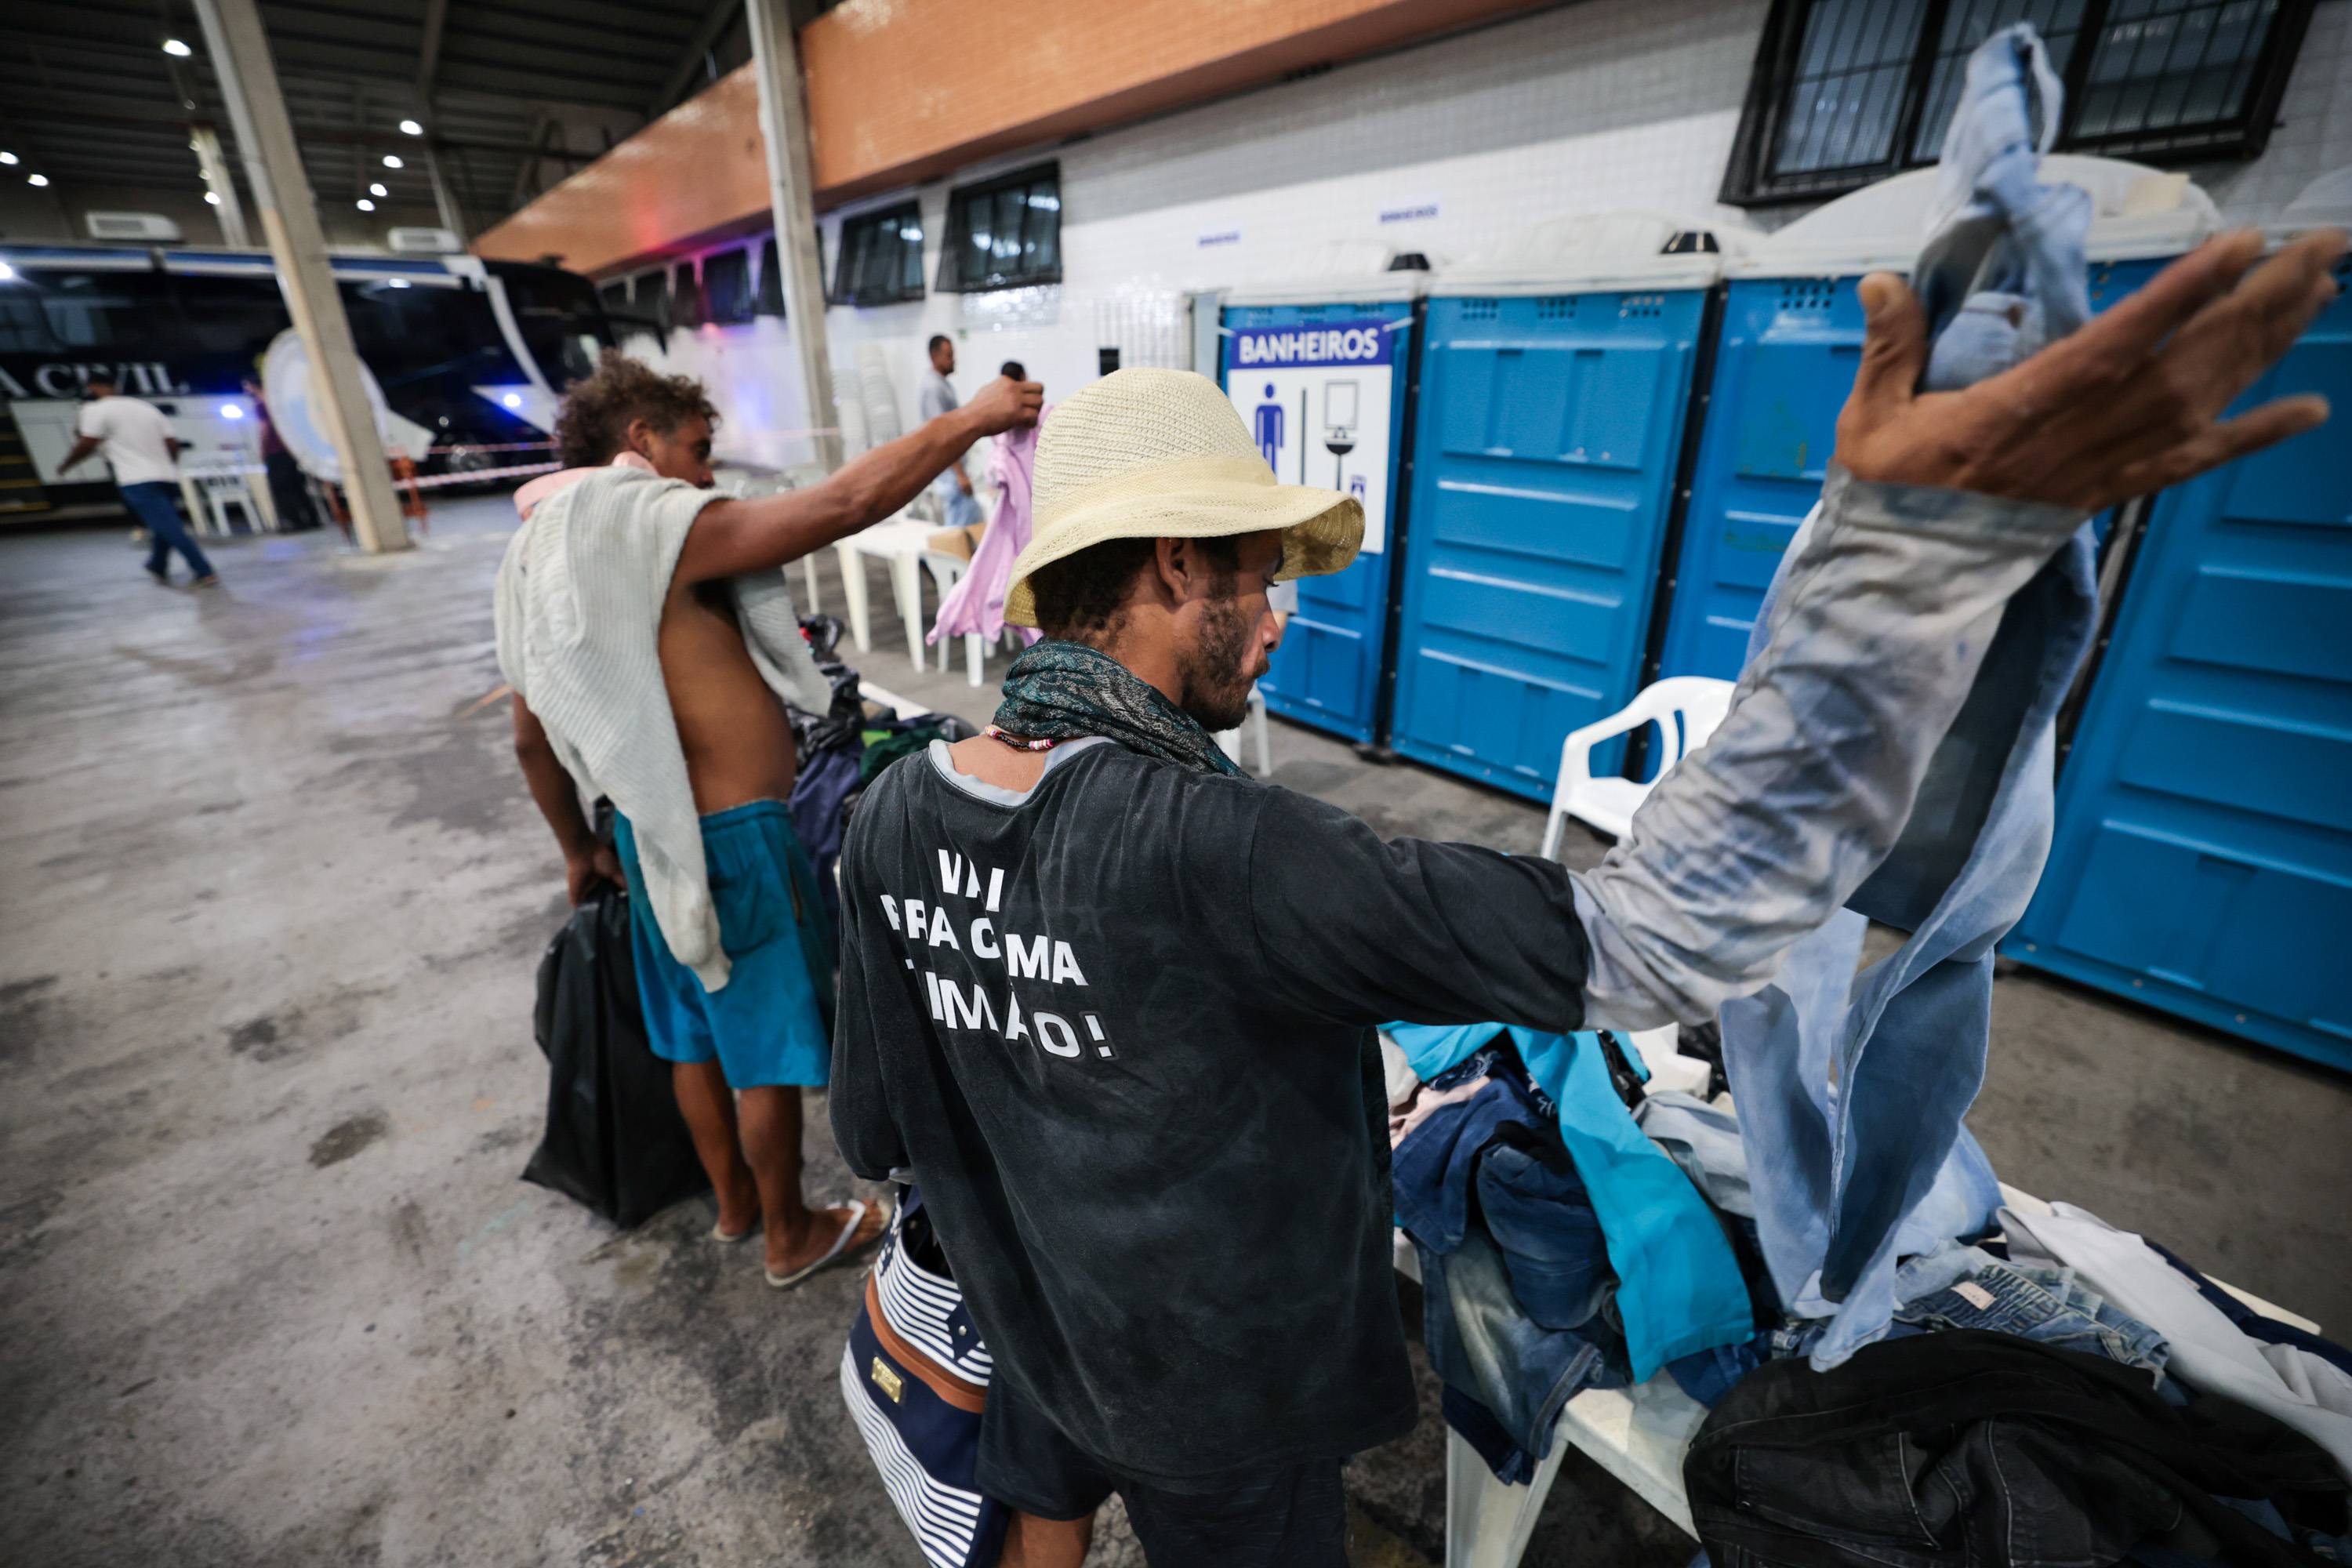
(1699, 701)
(1230, 740)
(228, 486)
(901, 542)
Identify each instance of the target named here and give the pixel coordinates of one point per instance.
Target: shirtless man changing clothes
(649, 638)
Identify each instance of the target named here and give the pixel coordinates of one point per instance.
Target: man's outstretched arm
(731, 537)
(1939, 507)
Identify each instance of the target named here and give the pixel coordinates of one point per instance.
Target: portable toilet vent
(1785, 359)
(1318, 360)
(1553, 398)
(2202, 856)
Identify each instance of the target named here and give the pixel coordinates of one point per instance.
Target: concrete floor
(271, 1290)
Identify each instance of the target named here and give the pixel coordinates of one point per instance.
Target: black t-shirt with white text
(1121, 1033)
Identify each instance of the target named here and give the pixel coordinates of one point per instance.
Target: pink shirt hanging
(976, 603)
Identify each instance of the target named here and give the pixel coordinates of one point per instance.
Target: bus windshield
(560, 317)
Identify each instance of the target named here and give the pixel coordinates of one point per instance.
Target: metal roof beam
(706, 33)
(428, 54)
(38, 106)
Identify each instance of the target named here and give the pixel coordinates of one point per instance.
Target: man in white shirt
(137, 440)
(957, 507)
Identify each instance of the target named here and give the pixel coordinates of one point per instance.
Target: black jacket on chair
(1972, 1449)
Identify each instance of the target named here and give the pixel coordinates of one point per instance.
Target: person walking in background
(958, 509)
(136, 440)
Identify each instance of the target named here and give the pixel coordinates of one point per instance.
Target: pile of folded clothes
(2049, 1390)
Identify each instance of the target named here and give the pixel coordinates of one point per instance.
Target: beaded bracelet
(1017, 742)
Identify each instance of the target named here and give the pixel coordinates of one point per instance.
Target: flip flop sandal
(841, 1247)
(719, 1232)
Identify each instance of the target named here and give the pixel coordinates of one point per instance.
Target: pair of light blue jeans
(2049, 1305)
(1850, 1088)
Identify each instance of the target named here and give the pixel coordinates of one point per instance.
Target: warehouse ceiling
(512, 94)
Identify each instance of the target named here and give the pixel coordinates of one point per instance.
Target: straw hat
(1153, 453)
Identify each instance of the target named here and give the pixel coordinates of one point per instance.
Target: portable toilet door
(1318, 367)
(1785, 360)
(2202, 861)
(1554, 390)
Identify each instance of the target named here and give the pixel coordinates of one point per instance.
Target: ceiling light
(512, 399)
(212, 199)
(7, 273)
(399, 282)
(392, 161)
(176, 49)
(366, 205)
(378, 190)
(231, 411)
(37, 179)
(410, 128)
(7, 157)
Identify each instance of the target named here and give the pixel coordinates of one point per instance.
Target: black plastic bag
(614, 1140)
(844, 720)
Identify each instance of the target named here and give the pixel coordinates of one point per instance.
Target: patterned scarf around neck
(1067, 690)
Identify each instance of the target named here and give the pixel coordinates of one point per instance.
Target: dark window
(560, 316)
(727, 287)
(649, 298)
(615, 296)
(1849, 91)
(685, 297)
(417, 335)
(772, 280)
(1004, 234)
(881, 260)
(101, 315)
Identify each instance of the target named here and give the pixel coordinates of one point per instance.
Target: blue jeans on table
(1680, 1289)
(155, 505)
(1482, 1343)
(2044, 1304)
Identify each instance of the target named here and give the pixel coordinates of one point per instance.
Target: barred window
(881, 259)
(1004, 233)
(1848, 91)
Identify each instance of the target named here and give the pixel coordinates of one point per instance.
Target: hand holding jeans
(2122, 408)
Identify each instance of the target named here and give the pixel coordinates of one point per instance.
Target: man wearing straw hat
(1111, 1004)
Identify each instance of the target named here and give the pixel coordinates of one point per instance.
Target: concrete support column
(229, 209)
(792, 187)
(290, 221)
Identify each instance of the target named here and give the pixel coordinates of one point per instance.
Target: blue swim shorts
(772, 1023)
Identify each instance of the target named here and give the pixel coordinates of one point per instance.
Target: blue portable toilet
(1318, 362)
(1554, 394)
(1785, 360)
(2202, 862)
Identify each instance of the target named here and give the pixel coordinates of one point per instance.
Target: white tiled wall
(2314, 126)
(1586, 107)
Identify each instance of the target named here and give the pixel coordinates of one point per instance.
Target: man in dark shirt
(1111, 1005)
